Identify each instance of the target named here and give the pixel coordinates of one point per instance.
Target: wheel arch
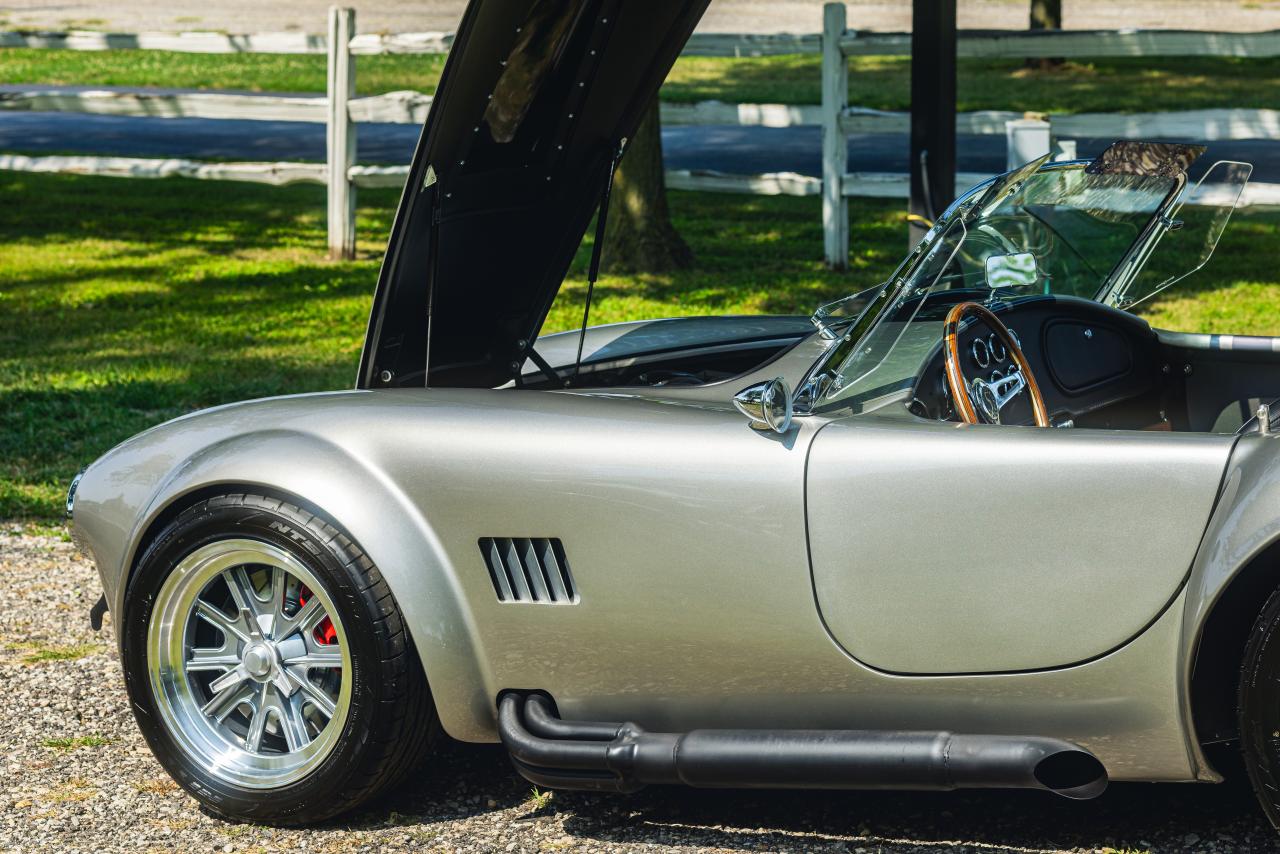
(366, 505)
(1236, 568)
(1215, 670)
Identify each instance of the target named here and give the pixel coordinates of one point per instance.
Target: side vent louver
(528, 570)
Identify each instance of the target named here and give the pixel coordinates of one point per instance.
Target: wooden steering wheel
(980, 400)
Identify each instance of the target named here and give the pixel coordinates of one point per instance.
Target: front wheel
(268, 664)
(1259, 708)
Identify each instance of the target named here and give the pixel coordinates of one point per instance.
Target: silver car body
(698, 555)
(865, 569)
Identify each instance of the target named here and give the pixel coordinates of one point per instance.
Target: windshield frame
(1129, 266)
(825, 370)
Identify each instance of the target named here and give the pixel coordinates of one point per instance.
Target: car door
(938, 548)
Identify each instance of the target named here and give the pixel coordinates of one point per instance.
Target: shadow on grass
(1127, 84)
(125, 303)
(46, 435)
(1235, 292)
(753, 254)
(167, 211)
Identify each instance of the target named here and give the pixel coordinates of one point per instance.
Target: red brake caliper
(325, 633)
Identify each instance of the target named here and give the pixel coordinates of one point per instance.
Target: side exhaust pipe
(623, 757)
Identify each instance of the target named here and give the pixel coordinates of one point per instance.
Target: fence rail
(367, 44)
(983, 44)
(1076, 44)
(275, 174)
(341, 111)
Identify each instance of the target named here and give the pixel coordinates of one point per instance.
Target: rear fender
(1243, 526)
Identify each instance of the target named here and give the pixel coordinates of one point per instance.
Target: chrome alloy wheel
(248, 661)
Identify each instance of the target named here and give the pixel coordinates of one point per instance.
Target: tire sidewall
(1259, 708)
(324, 787)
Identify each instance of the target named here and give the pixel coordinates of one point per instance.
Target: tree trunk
(1045, 15)
(639, 236)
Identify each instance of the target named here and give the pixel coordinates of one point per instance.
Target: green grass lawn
(124, 303)
(1113, 85)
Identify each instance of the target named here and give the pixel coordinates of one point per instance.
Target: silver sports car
(977, 526)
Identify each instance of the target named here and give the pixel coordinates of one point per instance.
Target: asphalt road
(743, 150)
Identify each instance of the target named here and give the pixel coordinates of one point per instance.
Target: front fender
(122, 497)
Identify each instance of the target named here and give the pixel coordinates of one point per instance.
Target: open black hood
(533, 102)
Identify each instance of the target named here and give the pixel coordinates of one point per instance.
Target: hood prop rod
(593, 272)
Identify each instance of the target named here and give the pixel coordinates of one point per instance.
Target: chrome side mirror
(768, 405)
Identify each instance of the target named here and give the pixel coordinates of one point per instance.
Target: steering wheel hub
(982, 395)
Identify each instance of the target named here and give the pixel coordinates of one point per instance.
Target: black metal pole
(933, 108)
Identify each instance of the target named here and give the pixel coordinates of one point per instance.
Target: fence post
(1025, 140)
(340, 141)
(835, 154)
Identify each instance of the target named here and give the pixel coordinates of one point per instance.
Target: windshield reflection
(1077, 227)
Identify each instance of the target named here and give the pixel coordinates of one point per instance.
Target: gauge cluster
(989, 354)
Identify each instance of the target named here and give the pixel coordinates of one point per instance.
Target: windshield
(1058, 229)
(1077, 227)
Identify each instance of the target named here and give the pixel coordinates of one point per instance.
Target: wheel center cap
(257, 660)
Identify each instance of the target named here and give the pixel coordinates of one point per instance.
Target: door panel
(937, 548)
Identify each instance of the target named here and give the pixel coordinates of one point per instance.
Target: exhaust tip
(1074, 774)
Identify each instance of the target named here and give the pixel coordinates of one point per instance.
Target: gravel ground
(803, 16)
(77, 777)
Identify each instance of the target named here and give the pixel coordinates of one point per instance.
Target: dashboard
(1096, 366)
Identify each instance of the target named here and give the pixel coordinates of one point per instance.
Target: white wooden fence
(1009, 44)
(342, 111)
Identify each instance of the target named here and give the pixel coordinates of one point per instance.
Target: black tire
(391, 719)
(1259, 708)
